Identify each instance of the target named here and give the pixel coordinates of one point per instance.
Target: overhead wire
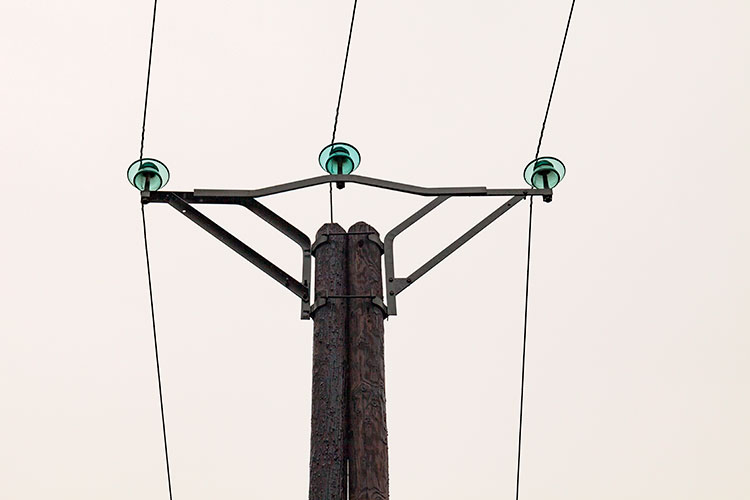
(528, 254)
(554, 80)
(148, 260)
(341, 92)
(523, 354)
(156, 352)
(148, 80)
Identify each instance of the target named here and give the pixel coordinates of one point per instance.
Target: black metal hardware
(300, 289)
(394, 285)
(323, 300)
(367, 181)
(182, 200)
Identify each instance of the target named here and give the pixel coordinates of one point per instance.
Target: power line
(343, 73)
(528, 254)
(341, 92)
(523, 355)
(156, 351)
(554, 80)
(148, 260)
(148, 79)
(330, 198)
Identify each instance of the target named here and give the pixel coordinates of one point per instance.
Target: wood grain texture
(368, 436)
(328, 446)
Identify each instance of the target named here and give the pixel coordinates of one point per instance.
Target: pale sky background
(639, 345)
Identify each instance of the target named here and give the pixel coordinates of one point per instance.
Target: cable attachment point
(544, 173)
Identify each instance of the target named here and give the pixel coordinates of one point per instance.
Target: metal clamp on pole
(319, 302)
(322, 301)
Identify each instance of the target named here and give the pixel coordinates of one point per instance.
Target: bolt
(391, 293)
(390, 279)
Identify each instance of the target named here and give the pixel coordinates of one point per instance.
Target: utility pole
(348, 409)
(349, 439)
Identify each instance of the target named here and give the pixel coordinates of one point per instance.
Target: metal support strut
(394, 285)
(300, 288)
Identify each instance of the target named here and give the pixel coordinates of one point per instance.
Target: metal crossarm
(182, 201)
(367, 181)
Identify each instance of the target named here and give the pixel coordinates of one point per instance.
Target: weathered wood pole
(328, 446)
(368, 436)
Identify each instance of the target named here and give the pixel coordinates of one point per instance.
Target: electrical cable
(341, 92)
(156, 351)
(528, 252)
(523, 355)
(148, 260)
(148, 80)
(554, 80)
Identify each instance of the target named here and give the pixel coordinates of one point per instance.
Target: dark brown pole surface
(368, 437)
(329, 394)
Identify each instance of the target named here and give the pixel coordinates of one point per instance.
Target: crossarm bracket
(300, 289)
(394, 285)
(182, 200)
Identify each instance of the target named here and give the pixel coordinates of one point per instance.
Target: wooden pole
(329, 392)
(368, 436)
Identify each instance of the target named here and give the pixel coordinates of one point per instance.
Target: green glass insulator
(339, 158)
(544, 172)
(148, 174)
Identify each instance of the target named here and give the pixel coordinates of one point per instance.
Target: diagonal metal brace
(295, 235)
(394, 285)
(299, 289)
